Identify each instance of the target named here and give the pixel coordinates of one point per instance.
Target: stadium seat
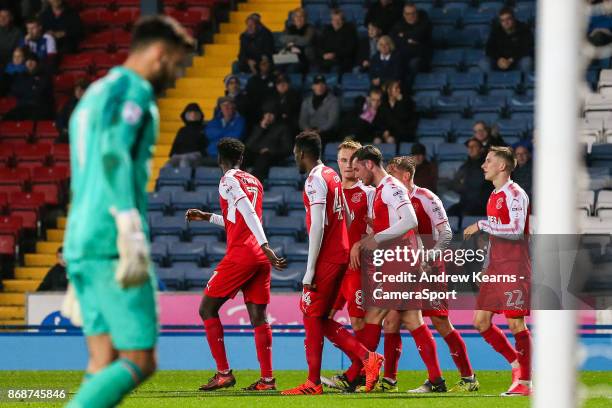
(601, 155)
(472, 58)
(195, 277)
(216, 251)
(450, 104)
(445, 17)
(187, 252)
(469, 37)
(51, 193)
(21, 130)
(504, 80)
(29, 218)
(454, 223)
(484, 15)
(7, 104)
(294, 200)
(452, 58)
(468, 220)
(448, 169)
(296, 252)
(473, 81)
(76, 62)
(453, 152)
(7, 154)
(35, 155)
(202, 228)
(434, 128)
(331, 80)
(159, 252)
(487, 104)
(106, 60)
(273, 200)
(604, 201)
(171, 176)
(290, 278)
(46, 129)
(511, 128)
(284, 176)
(330, 152)
(388, 150)
(173, 225)
(285, 226)
(61, 153)
(207, 176)
(101, 41)
(8, 245)
(159, 201)
(14, 176)
(431, 144)
(430, 82)
(11, 225)
(172, 277)
(185, 200)
(26, 201)
(423, 102)
(521, 103)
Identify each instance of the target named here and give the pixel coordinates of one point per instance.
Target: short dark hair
(368, 152)
(309, 142)
(151, 29)
(230, 150)
(33, 19)
(506, 10)
(60, 249)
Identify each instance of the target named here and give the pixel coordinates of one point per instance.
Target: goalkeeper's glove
(71, 308)
(133, 267)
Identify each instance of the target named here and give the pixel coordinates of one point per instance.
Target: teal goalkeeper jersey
(113, 130)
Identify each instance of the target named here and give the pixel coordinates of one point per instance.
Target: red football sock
(263, 344)
(355, 369)
(427, 349)
(344, 340)
(393, 351)
(371, 336)
(214, 335)
(459, 354)
(497, 339)
(523, 351)
(313, 343)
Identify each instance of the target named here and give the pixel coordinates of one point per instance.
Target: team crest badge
(356, 198)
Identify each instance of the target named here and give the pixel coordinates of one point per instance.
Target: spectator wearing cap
(321, 110)
(470, 183)
(338, 44)
(426, 172)
(63, 117)
(523, 173)
(384, 13)
(510, 45)
(232, 90)
(259, 88)
(39, 43)
(10, 35)
(368, 47)
(189, 146)
(64, 24)
(288, 102)
(270, 142)
(298, 38)
(34, 93)
(386, 64)
(228, 124)
(398, 114)
(484, 134)
(255, 42)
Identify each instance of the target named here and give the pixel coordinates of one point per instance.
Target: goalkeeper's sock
(108, 387)
(313, 344)
(371, 336)
(214, 336)
(393, 351)
(427, 349)
(497, 339)
(523, 351)
(263, 344)
(458, 352)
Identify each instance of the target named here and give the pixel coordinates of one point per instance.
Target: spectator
(10, 35)
(484, 134)
(384, 13)
(43, 45)
(288, 102)
(33, 92)
(228, 124)
(232, 90)
(17, 64)
(190, 142)
(63, 118)
(338, 44)
(385, 65)
(412, 36)
(523, 173)
(510, 45)
(55, 279)
(298, 38)
(366, 125)
(426, 172)
(255, 42)
(600, 30)
(398, 114)
(470, 183)
(270, 142)
(259, 88)
(321, 110)
(64, 24)
(368, 47)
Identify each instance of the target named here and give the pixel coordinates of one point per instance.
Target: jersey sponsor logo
(356, 198)
(131, 113)
(499, 203)
(494, 220)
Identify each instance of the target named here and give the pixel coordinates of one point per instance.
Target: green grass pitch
(179, 389)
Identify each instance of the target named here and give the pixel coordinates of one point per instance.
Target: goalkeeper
(112, 133)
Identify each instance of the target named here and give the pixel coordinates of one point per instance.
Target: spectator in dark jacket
(510, 45)
(385, 65)
(338, 44)
(259, 88)
(255, 42)
(426, 172)
(412, 35)
(299, 37)
(55, 279)
(39, 43)
(228, 124)
(483, 133)
(17, 64)
(365, 123)
(523, 173)
(64, 24)
(385, 13)
(321, 110)
(470, 183)
(190, 142)
(10, 35)
(398, 114)
(270, 142)
(288, 102)
(368, 47)
(33, 92)
(63, 117)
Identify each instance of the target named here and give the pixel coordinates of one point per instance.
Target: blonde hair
(349, 144)
(506, 154)
(404, 163)
(389, 42)
(298, 11)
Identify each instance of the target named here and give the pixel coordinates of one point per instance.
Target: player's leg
(101, 354)
(426, 345)
(373, 327)
(522, 338)
(393, 351)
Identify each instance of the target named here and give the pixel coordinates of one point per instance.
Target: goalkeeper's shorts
(128, 315)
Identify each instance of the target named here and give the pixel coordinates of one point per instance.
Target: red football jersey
(359, 199)
(429, 212)
(507, 222)
(323, 187)
(390, 196)
(235, 185)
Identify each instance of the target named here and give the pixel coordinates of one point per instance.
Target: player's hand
(471, 230)
(197, 215)
(71, 308)
(278, 263)
(133, 266)
(355, 256)
(309, 287)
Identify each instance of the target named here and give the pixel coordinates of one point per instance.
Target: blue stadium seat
(450, 104)
(350, 99)
(463, 127)
(487, 103)
(486, 117)
(171, 176)
(405, 149)
(207, 176)
(423, 103)
(504, 80)
(496, 6)
(170, 189)
(451, 152)
(297, 252)
(159, 252)
(289, 278)
(281, 240)
(484, 15)
(521, 103)
(430, 82)
(472, 57)
(431, 144)
(434, 128)
(273, 200)
(204, 239)
(297, 213)
(355, 82)
(159, 201)
(168, 239)
(468, 220)
(197, 228)
(195, 277)
(174, 225)
(445, 17)
(189, 199)
(187, 252)
(315, 11)
(469, 37)
(601, 155)
(173, 278)
(506, 93)
(330, 152)
(282, 189)
(530, 80)
(440, 36)
(388, 150)
(284, 176)
(466, 81)
(285, 226)
(452, 58)
(512, 140)
(511, 127)
(216, 251)
(448, 169)
(353, 13)
(454, 223)
(294, 200)
(296, 80)
(331, 80)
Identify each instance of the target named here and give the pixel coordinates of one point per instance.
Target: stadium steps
(203, 81)
(12, 313)
(12, 299)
